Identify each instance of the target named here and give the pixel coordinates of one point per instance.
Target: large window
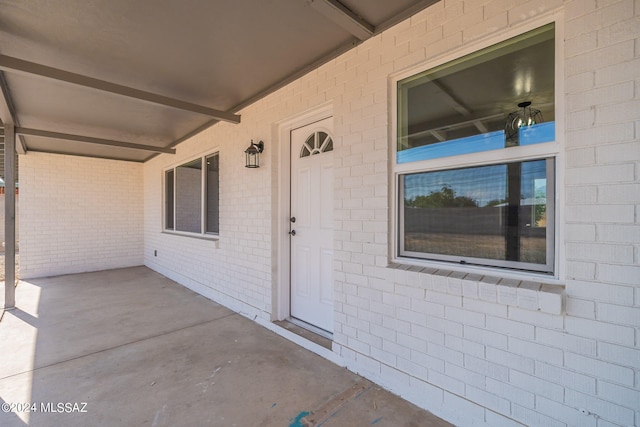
(475, 157)
(192, 196)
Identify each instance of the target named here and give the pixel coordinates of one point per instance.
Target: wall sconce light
(525, 116)
(253, 154)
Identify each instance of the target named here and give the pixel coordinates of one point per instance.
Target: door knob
(292, 219)
(292, 232)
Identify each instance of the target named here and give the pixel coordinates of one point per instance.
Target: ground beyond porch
(139, 349)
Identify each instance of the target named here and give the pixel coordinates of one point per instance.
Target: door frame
(281, 297)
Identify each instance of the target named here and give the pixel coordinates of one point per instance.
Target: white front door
(312, 224)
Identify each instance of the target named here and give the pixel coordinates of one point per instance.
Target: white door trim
(281, 301)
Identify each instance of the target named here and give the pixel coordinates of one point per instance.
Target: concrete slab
(130, 347)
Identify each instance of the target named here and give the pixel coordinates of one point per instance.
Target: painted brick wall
(78, 214)
(474, 349)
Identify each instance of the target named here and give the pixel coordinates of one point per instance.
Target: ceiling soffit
(124, 80)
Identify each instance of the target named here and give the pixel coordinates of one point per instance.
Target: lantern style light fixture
(523, 117)
(253, 154)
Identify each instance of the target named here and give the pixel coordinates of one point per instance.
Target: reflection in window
(463, 106)
(473, 215)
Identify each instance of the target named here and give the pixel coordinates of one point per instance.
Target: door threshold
(307, 331)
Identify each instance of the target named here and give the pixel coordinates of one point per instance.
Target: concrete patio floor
(130, 347)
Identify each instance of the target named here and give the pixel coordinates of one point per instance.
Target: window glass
(478, 214)
(213, 194)
(168, 198)
(189, 196)
(192, 196)
(499, 97)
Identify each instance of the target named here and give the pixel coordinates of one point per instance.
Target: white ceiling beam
(12, 64)
(8, 112)
(91, 140)
(343, 17)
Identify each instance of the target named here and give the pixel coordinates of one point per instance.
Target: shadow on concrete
(130, 347)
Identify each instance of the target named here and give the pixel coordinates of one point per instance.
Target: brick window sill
(525, 294)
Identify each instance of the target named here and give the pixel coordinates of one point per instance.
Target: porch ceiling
(123, 80)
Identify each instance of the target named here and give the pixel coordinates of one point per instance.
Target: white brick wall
(78, 214)
(476, 350)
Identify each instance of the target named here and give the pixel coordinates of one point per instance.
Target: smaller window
(192, 196)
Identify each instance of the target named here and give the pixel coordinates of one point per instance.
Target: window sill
(210, 237)
(525, 294)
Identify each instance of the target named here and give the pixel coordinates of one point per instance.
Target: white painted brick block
(550, 299)
(508, 291)
(409, 291)
(454, 283)
(439, 281)
(617, 72)
(518, 395)
(599, 369)
(564, 413)
(532, 418)
(621, 355)
(601, 331)
(600, 252)
(411, 316)
(603, 409)
(600, 96)
(412, 368)
(536, 318)
(618, 314)
(393, 379)
(624, 396)
(433, 364)
(474, 378)
(470, 286)
(465, 346)
(488, 289)
(485, 337)
(444, 299)
(488, 400)
(510, 360)
(425, 394)
(604, 292)
(465, 410)
(385, 357)
(578, 270)
(510, 327)
(465, 317)
(580, 157)
(622, 274)
(536, 386)
(581, 308)
(617, 132)
(487, 368)
(620, 233)
(497, 420)
(527, 295)
(367, 366)
(563, 340)
(536, 351)
(566, 376)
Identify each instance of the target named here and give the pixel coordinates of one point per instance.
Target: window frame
(538, 151)
(204, 234)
